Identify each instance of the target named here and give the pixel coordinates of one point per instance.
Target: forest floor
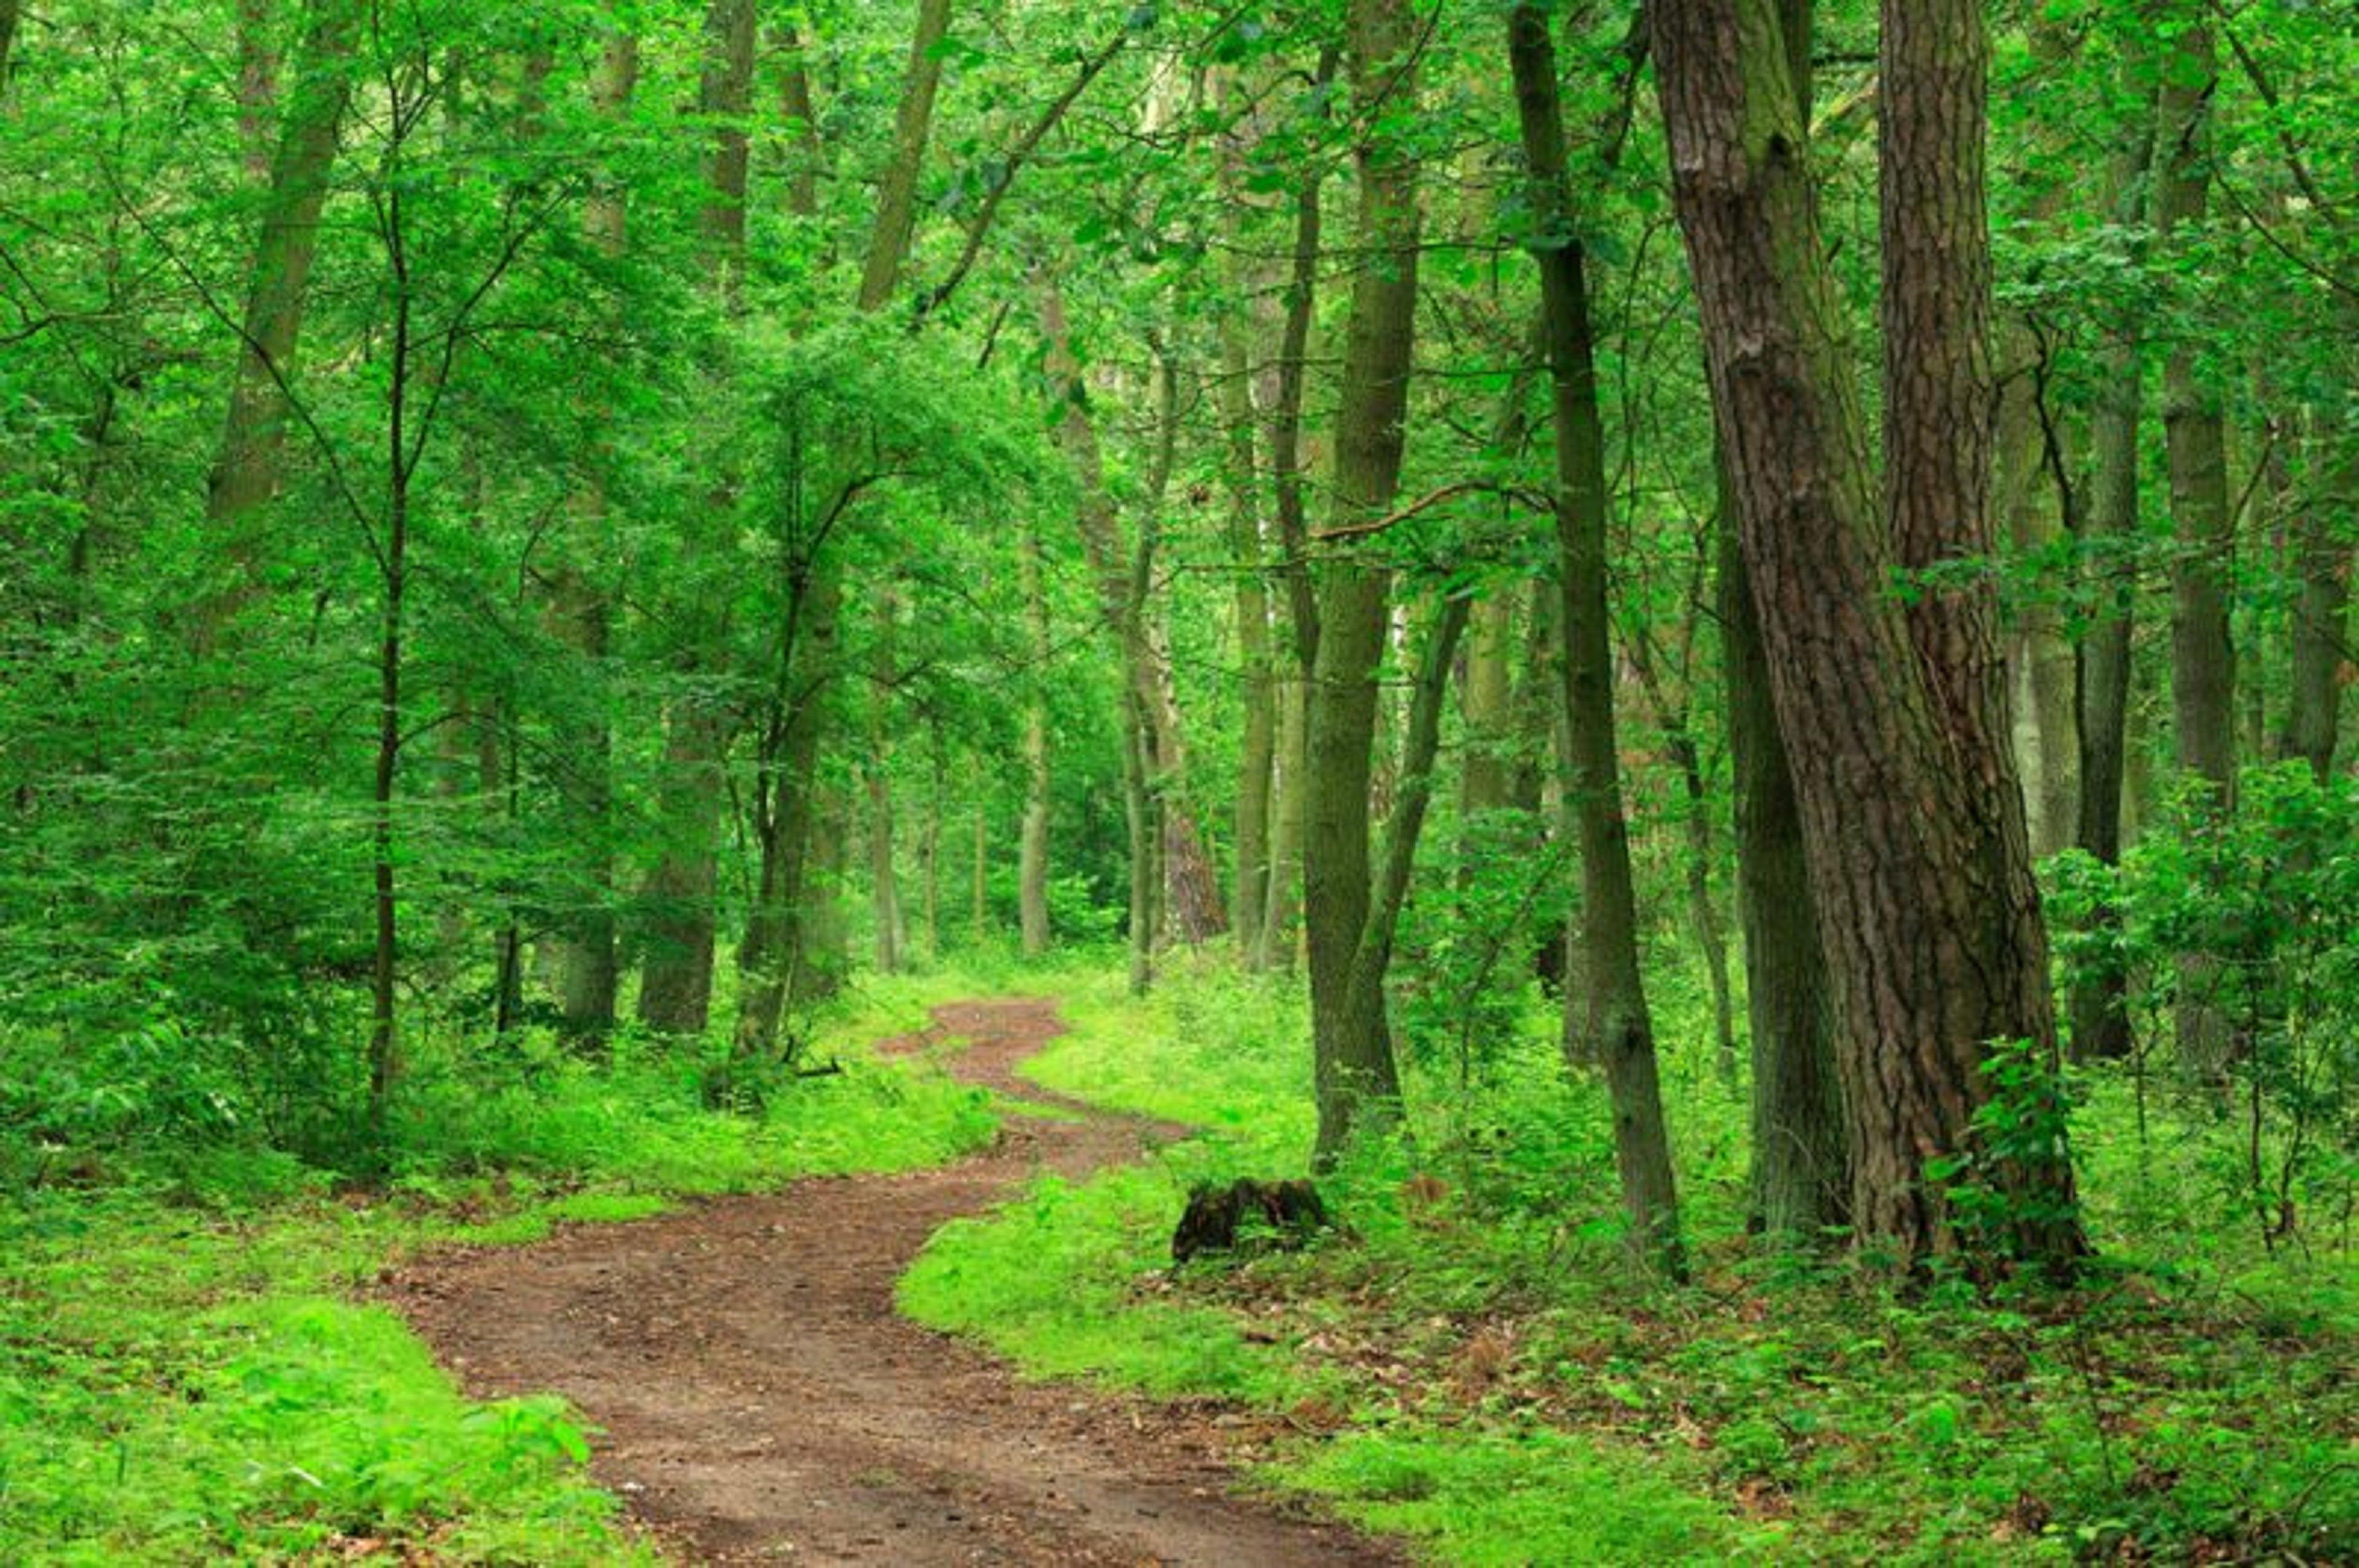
(759, 1399)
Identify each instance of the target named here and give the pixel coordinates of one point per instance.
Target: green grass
(191, 1371)
(1500, 1387)
(1508, 1498)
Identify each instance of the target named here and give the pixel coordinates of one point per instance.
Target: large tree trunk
(1801, 1160)
(1619, 1028)
(1358, 1081)
(2203, 656)
(247, 463)
(1913, 824)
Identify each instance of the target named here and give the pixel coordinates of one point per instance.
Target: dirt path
(760, 1400)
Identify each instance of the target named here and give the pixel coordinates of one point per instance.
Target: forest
(702, 702)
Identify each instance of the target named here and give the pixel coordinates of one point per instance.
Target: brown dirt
(758, 1399)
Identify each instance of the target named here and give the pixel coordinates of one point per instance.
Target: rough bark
(1620, 1027)
(1800, 1175)
(1912, 823)
(1358, 1081)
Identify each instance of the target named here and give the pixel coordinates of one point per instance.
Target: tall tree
(2203, 653)
(247, 463)
(1357, 1080)
(581, 618)
(676, 980)
(2101, 662)
(1914, 826)
(1619, 1029)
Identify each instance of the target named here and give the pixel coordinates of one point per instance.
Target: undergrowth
(1474, 1364)
(191, 1370)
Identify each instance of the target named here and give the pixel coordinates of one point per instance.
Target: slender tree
(1619, 1029)
(1357, 1080)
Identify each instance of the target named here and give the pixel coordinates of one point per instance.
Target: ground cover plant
(194, 1369)
(1477, 1365)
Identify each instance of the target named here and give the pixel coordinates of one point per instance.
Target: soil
(756, 1398)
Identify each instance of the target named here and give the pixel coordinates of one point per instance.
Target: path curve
(759, 1400)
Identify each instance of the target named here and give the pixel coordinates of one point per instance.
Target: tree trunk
(897, 201)
(1292, 761)
(981, 891)
(884, 882)
(675, 983)
(1619, 1023)
(2322, 634)
(676, 978)
(579, 617)
(774, 954)
(2203, 656)
(247, 463)
(1365, 986)
(258, 82)
(1032, 871)
(1257, 750)
(1289, 792)
(1913, 825)
(1358, 1081)
(2098, 1003)
(1801, 1169)
(1486, 782)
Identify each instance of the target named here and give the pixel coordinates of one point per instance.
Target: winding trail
(759, 1400)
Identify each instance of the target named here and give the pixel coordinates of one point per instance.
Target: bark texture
(1913, 825)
